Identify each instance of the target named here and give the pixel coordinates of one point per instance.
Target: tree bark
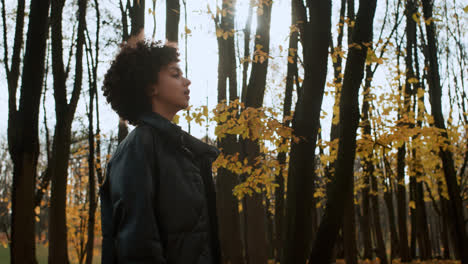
(435, 93)
(349, 119)
(292, 72)
(228, 213)
(65, 111)
(23, 123)
(381, 252)
(255, 212)
(137, 24)
(92, 165)
(172, 20)
(388, 198)
(314, 35)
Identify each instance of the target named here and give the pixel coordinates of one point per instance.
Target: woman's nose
(188, 82)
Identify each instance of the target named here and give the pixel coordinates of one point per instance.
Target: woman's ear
(154, 90)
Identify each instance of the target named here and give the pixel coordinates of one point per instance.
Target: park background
(342, 124)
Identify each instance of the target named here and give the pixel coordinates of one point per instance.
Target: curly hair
(135, 68)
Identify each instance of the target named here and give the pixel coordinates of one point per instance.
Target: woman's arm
(132, 177)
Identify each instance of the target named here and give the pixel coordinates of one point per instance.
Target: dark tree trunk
(381, 252)
(409, 115)
(228, 213)
(23, 129)
(388, 198)
(368, 169)
(435, 93)
(172, 20)
(370, 181)
(349, 228)
(255, 212)
(137, 17)
(366, 216)
(412, 214)
(137, 24)
(292, 72)
(92, 166)
(402, 210)
(65, 111)
(349, 222)
(349, 119)
(314, 36)
(425, 241)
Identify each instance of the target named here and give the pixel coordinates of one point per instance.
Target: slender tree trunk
(435, 92)
(92, 156)
(229, 219)
(256, 240)
(314, 36)
(349, 221)
(137, 24)
(292, 72)
(349, 228)
(137, 17)
(402, 210)
(381, 252)
(23, 130)
(349, 119)
(388, 198)
(65, 111)
(412, 214)
(172, 20)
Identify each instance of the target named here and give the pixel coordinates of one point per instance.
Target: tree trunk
(172, 20)
(349, 228)
(292, 72)
(435, 92)
(65, 111)
(314, 35)
(137, 23)
(381, 252)
(256, 240)
(228, 213)
(349, 222)
(388, 198)
(349, 119)
(23, 132)
(370, 171)
(137, 17)
(92, 156)
(402, 210)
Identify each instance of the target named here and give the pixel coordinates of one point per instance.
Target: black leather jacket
(158, 199)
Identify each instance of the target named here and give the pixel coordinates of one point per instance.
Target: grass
(41, 255)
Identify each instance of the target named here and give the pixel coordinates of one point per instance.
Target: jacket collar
(181, 138)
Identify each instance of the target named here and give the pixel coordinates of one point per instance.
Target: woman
(158, 198)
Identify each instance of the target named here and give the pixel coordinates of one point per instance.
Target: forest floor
(41, 254)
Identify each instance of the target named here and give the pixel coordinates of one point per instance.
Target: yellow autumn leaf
(187, 30)
(465, 9)
(219, 32)
(176, 119)
(412, 205)
(416, 17)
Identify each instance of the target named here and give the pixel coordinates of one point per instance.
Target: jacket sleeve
(137, 235)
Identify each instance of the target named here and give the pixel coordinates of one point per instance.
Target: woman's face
(171, 93)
